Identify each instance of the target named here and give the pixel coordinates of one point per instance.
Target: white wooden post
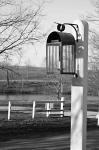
(79, 90)
(33, 110)
(47, 108)
(97, 116)
(62, 106)
(9, 109)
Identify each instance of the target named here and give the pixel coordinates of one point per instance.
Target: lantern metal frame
(61, 42)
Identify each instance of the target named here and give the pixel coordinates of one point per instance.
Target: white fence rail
(49, 108)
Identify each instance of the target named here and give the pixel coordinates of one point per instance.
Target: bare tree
(19, 24)
(93, 20)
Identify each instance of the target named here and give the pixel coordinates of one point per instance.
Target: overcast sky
(56, 11)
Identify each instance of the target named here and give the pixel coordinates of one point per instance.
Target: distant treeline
(42, 83)
(22, 72)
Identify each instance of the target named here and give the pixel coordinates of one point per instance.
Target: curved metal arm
(75, 26)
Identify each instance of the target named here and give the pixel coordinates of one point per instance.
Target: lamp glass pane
(52, 58)
(68, 59)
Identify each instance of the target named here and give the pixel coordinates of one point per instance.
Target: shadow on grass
(40, 126)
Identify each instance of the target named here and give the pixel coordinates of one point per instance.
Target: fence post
(62, 106)
(9, 109)
(33, 111)
(47, 108)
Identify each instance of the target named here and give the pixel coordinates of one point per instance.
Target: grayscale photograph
(49, 75)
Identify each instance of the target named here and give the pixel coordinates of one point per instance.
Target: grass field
(34, 81)
(22, 132)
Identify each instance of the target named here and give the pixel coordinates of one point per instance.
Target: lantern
(60, 53)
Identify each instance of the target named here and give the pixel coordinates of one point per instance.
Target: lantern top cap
(63, 37)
